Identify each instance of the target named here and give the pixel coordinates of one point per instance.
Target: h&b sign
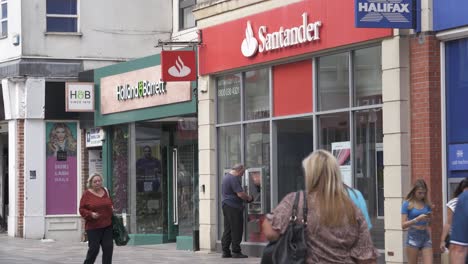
(79, 97)
(384, 14)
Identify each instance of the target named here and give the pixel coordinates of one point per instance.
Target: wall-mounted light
(15, 40)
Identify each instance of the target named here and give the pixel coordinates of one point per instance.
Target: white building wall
(108, 29)
(396, 130)
(12, 181)
(8, 51)
(34, 186)
(34, 159)
(189, 34)
(13, 99)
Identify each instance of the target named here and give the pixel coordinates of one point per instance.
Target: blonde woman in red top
(96, 209)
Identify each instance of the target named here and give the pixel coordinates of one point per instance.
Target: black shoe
(227, 255)
(239, 255)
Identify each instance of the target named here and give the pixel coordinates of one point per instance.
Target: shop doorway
(162, 184)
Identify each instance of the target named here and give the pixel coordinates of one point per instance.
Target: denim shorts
(418, 239)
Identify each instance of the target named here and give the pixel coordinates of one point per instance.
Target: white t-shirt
(452, 204)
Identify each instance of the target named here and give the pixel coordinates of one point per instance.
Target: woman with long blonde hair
(415, 215)
(61, 139)
(337, 231)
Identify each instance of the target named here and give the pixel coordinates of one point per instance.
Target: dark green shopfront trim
(176, 109)
(146, 239)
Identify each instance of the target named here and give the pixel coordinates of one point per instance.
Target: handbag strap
(305, 209)
(294, 209)
(107, 191)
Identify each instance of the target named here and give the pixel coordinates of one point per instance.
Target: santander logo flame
(249, 44)
(179, 69)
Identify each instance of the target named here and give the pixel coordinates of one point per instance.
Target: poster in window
(148, 166)
(342, 153)
(61, 168)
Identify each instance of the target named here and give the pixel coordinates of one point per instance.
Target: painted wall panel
(456, 66)
(9, 51)
(450, 14)
(292, 95)
(108, 29)
(456, 61)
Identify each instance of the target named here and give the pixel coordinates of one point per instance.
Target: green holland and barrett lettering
(141, 90)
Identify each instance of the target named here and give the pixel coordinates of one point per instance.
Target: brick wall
(426, 160)
(20, 175)
(84, 173)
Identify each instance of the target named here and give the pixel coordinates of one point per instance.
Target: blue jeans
(418, 239)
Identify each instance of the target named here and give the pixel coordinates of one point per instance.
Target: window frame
(3, 19)
(76, 16)
(184, 4)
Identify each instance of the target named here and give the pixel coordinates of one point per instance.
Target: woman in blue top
(415, 215)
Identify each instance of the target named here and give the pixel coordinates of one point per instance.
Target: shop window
(120, 169)
(257, 90)
(186, 18)
(333, 128)
(4, 19)
(368, 76)
(62, 15)
(334, 137)
(368, 167)
(229, 98)
(333, 82)
(294, 141)
(229, 146)
(149, 180)
(257, 178)
(229, 153)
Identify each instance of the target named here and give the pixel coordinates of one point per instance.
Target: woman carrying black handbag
(96, 208)
(335, 230)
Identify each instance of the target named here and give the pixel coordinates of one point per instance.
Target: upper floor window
(186, 18)
(62, 15)
(3, 18)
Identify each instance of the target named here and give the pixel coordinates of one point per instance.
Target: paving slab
(27, 251)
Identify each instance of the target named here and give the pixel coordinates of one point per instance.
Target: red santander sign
(292, 30)
(178, 65)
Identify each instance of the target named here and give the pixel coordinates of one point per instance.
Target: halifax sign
(384, 14)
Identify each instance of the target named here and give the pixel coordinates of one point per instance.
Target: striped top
(452, 204)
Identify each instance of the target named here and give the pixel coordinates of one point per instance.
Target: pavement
(27, 251)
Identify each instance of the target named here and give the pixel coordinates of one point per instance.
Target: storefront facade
(452, 31)
(150, 159)
(274, 90)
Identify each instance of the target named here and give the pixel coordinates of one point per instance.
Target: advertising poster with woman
(61, 168)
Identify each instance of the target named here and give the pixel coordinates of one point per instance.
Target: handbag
(119, 232)
(291, 247)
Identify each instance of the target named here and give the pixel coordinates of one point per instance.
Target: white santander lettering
(306, 32)
(261, 36)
